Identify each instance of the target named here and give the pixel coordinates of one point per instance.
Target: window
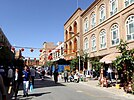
(85, 44)
(93, 22)
(102, 39)
(86, 25)
(61, 50)
(102, 13)
(115, 34)
(93, 41)
(113, 6)
(128, 2)
(66, 35)
(130, 27)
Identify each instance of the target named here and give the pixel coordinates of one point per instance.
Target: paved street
(48, 90)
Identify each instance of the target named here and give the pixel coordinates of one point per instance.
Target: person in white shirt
(32, 74)
(109, 71)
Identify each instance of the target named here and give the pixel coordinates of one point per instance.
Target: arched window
(115, 34)
(102, 39)
(130, 27)
(66, 49)
(102, 13)
(113, 7)
(61, 50)
(86, 25)
(93, 42)
(75, 45)
(66, 35)
(70, 47)
(128, 2)
(86, 44)
(75, 27)
(70, 32)
(93, 20)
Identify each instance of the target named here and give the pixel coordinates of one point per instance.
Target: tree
(96, 65)
(74, 63)
(125, 62)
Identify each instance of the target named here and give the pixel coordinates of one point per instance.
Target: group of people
(64, 75)
(15, 77)
(27, 76)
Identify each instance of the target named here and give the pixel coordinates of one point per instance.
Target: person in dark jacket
(56, 75)
(26, 79)
(17, 80)
(2, 88)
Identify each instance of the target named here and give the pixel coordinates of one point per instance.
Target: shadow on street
(38, 83)
(47, 82)
(20, 97)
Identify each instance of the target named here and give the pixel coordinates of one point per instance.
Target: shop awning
(109, 58)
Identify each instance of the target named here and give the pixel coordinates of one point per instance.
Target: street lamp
(79, 61)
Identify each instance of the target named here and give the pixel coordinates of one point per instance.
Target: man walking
(10, 78)
(17, 81)
(66, 76)
(32, 73)
(26, 77)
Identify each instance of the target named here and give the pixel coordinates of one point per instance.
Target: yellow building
(73, 35)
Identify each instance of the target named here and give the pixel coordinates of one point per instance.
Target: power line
(27, 47)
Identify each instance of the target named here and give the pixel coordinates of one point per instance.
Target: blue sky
(30, 23)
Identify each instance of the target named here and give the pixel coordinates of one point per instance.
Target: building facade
(105, 23)
(3, 40)
(73, 35)
(32, 62)
(6, 55)
(47, 48)
(58, 52)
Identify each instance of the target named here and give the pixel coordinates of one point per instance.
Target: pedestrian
(32, 74)
(10, 76)
(2, 72)
(2, 88)
(17, 81)
(62, 75)
(66, 76)
(56, 75)
(26, 77)
(42, 73)
(109, 71)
